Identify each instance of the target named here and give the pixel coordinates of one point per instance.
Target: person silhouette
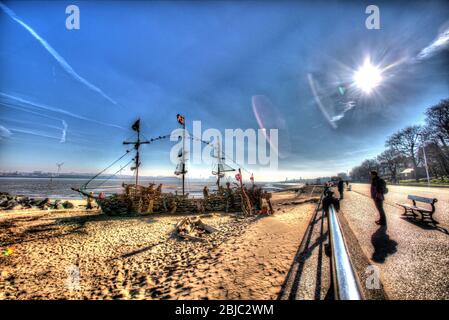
(378, 189)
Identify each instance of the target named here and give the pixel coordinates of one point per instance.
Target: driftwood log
(192, 228)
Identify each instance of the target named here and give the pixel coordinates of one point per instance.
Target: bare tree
(356, 174)
(362, 172)
(437, 153)
(392, 161)
(438, 121)
(436, 160)
(406, 142)
(371, 164)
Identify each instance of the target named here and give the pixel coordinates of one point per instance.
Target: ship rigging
(219, 169)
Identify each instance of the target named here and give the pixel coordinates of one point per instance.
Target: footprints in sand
(135, 258)
(169, 269)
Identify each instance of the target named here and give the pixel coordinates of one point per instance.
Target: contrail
(53, 109)
(64, 64)
(28, 111)
(4, 132)
(31, 123)
(63, 129)
(34, 133)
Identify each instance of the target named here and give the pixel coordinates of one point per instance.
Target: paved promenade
(412, 256)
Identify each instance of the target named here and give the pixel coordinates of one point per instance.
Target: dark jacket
(377, 188)
(341, 185)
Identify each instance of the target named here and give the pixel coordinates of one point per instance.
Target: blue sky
(207, 59)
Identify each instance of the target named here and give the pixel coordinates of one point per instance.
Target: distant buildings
(409, 173)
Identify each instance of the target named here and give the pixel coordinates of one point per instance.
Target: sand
(87, 255)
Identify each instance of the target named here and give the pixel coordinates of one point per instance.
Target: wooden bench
(422, 210)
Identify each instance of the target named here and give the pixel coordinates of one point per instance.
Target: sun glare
(367, 77)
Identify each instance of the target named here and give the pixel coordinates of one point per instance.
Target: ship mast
(137, 144)
(221, 167)
(181, 167)
(219, 162)
(183, 163)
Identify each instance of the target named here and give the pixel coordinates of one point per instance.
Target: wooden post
(244, 195)
(241, 179)
(218, 163)
(137, 146)
(183, 156)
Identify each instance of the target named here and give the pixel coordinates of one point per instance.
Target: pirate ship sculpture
(139, 199)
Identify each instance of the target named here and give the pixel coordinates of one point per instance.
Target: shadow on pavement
(383, 245)
(426, 225)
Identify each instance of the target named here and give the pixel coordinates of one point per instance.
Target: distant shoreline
(61, 176)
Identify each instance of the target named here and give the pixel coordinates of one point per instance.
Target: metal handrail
(345, 282)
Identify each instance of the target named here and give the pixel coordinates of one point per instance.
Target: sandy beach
(87, 255)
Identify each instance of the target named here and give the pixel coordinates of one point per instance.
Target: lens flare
(367, 77)
(270, 117)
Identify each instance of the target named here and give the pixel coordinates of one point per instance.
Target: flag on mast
(180, 118)
(136, 125)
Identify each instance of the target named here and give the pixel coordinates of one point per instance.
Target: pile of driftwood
(187, 205)
(115, 205)
(148, 200)
(192, 228)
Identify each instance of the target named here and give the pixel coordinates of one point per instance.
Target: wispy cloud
(347, 106)
(64, 64)
(26, 103)
(353, 152)
(440, 43)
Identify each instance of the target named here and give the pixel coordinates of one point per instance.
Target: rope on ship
(84, 186)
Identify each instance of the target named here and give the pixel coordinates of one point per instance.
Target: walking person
(378, 190)
(205, 192)
(341, 187)
(267, 196)
(90, 201)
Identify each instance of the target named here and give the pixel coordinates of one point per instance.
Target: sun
(367, 77)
